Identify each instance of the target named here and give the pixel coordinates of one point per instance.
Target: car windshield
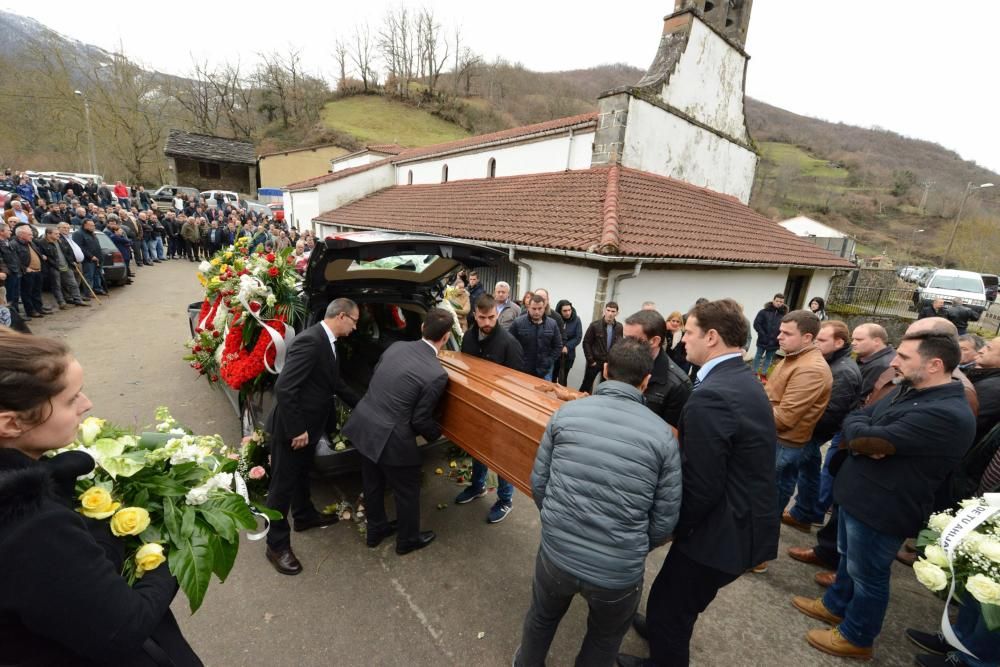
(959, 283)
(415, 263)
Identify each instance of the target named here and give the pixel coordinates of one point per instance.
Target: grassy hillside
(380, 120)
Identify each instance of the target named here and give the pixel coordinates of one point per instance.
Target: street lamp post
(913, 239)
(90, 131)
(968, 190)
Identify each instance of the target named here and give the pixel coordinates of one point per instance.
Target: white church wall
(662, 143)
(355, 161)
(301, 208)
(345, 190)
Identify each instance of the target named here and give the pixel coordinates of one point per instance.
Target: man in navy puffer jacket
(607, 479)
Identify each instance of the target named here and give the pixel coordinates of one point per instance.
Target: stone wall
(235, 177)
(894, 326)
(881, 278)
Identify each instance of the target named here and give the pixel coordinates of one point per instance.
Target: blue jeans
(825, 501)
(765, 356)
(971, 630)
(13, 285)
(806, 509)
(505, 490)
(92, 274)
(860, 595)
(786, 472)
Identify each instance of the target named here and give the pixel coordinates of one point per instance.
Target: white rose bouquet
(171, 496)
(975, 565)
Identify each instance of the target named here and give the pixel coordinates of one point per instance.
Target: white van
(230, 197)
(951, 284)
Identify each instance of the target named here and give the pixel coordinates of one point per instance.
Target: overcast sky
(923, 69)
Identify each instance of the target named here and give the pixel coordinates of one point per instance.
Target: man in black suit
(303, 405)
(729, 519)
(399, 405)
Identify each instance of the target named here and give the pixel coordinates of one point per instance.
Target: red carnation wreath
(241, 365)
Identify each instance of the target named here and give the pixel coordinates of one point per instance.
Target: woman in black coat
(64, 601)
(571, 330)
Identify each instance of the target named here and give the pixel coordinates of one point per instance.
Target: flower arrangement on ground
(171, 495)
(250, 313)
(974, 568)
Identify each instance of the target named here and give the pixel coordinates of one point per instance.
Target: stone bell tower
(685, 118)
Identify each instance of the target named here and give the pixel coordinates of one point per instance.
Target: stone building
(646, 199)
(211, 163)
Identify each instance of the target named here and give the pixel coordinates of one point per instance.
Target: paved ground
(355, 606)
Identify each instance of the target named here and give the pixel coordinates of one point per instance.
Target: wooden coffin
(497, 414)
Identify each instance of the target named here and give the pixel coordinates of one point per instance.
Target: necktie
(697, 383)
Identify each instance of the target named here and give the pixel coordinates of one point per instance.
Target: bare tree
(362, 54)
(434, 47)
(340, 56)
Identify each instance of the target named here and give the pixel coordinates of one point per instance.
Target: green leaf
(220, 521)
(172, 521)
(273, 515)
(125, 465)
(187, 522)
(151, 534)
(224, 556)
(108, 447)
(991, 614)
(141, 499)
(164, 485)
(927, 536)
(191, 562)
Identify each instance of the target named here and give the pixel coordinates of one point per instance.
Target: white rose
(205, 266)
(938, 522)
(972, 541)
(89, 429)
(223, 480)
(930, 575)
(989, 548)
(970, 502)
(197, 495)
(936, 555)
(983, 589)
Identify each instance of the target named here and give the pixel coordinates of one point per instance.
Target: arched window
(409, 177)
(444, 174)
(491, 168)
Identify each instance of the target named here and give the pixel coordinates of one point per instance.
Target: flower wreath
(241, 365)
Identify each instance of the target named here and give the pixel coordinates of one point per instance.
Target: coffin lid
(373, 259)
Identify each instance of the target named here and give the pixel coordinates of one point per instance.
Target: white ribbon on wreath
(250, 286)
(965, 521)
(241, 488)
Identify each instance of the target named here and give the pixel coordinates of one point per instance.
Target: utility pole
(968, 190)
(923, 198)
(90, 131)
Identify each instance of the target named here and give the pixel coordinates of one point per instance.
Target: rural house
(211, 163)
(280, 168)
(646, 199)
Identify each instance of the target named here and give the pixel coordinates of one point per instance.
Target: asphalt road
(357, 606)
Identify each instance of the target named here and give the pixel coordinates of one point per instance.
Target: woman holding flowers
(64, 600)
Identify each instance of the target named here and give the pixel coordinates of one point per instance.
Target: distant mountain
(24, 36)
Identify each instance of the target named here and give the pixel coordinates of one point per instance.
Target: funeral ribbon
(965, 522)
(280, 343)
(241, 488)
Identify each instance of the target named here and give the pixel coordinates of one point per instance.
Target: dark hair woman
(818, 307)
(64, 601)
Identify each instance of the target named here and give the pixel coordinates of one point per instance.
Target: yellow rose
(936, 555)
(129, 521)
(97, 503)
(930, 575)
(228, 256)
(983, 589)
(216, 261)
(149, 557)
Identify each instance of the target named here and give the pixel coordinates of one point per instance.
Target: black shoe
(953, 659)
(426, 537)
(317, 521)
(374, 538)
(284, 561)
(26, 318)
(932, 642)
(30, 315)
(129, 281)
(47, 310)
(626, 660)
(639, 623)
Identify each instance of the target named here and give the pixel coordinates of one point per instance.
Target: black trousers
(591, 374)
(405, 484)
(31, 292)
(826, 542)
(681, 591)
(289, 489)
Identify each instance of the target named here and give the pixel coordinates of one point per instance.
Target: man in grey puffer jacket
(607, 479)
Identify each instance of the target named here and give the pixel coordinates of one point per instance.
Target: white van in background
(951, 284)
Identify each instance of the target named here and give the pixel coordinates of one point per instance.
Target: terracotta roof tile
(653, 217)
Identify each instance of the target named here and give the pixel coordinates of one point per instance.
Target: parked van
(951, 284)
(991, 281)
(229, 196)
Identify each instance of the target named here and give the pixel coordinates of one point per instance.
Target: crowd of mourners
(49, 239)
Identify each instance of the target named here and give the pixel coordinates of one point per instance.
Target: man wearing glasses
(303, 402)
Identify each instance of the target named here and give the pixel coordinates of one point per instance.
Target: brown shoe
(814, 608)
(759, 569)
(805, 555)
(832, 642)
(825, 579)
(790, 520)
(284, 561)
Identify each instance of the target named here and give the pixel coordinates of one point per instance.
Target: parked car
(115, 271)
(951, 284)
(229, 197)
(395, 279)
(255, 206)
(990, 281)
(166, 193)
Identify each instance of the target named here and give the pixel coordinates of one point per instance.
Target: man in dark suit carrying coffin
(303, 403)
(729, 518)
(399, 405)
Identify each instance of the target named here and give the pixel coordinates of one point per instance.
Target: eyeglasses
(353, 319)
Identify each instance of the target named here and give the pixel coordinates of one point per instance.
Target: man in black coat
(729, 518)
(539, 338)
(960, 315)
(986, 379)
(601, 336)
(767, 325)
(901, 449)
(669, 387)
(486, 340)
(871, 343)
(399, 405)
(303, 404)
(86, 238)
